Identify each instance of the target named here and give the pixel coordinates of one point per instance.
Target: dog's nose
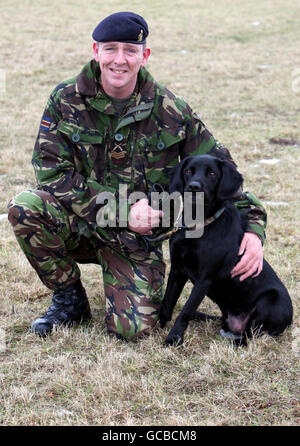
(194, 186)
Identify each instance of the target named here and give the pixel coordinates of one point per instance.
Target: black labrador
(255, 305)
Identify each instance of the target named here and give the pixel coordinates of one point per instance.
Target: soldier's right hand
(143, 217)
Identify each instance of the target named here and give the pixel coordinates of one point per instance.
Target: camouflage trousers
(133, 279)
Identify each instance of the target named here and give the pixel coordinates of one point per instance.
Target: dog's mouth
(196, 199)
(192, 195)
(199, 203)
(193, 205)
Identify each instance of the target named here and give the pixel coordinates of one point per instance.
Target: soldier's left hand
(251, 262)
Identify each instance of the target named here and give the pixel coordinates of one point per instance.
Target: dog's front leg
(175, 337)
(176, 282)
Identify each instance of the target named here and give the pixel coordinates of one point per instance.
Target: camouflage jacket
(84, 147)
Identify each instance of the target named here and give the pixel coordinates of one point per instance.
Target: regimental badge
(118, 152)
(140, 36)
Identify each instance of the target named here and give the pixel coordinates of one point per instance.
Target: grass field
(237, 64)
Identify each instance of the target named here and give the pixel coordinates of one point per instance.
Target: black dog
(259, 304)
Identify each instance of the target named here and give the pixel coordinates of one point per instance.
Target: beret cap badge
(140, 36)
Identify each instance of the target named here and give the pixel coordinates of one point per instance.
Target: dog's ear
(176, 182)
(230, 182)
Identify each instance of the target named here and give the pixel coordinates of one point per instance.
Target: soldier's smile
(118, 71)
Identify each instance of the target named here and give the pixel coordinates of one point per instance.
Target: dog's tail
(199, 316)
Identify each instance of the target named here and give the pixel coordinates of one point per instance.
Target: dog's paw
(237, 340)
(163, 318)
(173, 339)
(163, 321)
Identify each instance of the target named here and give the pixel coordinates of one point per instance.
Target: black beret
(122, 27)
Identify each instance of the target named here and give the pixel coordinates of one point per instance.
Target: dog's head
(218, 179)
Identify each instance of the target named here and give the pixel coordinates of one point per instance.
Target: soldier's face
(119, 63)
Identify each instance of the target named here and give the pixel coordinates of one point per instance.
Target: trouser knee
(134, 293)
(41, 226)
(34, 208)
(19, 205)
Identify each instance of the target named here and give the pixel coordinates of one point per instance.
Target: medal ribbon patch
(45, 124)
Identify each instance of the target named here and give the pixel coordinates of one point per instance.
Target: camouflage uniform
(83, 148)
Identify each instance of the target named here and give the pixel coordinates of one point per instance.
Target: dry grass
(240, 75)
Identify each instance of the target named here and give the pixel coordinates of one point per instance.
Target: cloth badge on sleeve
(45, 124)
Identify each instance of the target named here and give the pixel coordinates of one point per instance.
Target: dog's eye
(211, 174)
(188, 172)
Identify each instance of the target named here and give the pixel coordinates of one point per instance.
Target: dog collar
(209, 220)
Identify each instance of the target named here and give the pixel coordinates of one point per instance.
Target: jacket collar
(88, 84)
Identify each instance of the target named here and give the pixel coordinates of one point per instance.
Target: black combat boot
(70, 305)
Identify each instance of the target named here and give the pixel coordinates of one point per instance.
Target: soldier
(112, 125)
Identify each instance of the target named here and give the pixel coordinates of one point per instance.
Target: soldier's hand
(143, 217)
(251, 262)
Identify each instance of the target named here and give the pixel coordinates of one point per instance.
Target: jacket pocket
(79, 134)
(88, 148)
(161, 153)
